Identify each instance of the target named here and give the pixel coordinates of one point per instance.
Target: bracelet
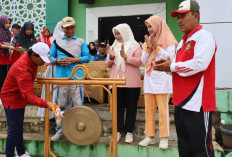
(55, 61)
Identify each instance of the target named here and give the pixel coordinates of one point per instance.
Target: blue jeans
(15, 132)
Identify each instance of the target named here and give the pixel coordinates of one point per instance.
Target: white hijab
(58, 32)
(130, 45)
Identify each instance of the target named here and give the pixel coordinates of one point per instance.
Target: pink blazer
(132, 73)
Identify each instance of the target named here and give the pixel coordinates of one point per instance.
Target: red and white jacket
(194, 72)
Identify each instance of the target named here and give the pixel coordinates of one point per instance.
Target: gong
(81, 125)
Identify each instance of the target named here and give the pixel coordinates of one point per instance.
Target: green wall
(78, 11)
(55, 11)
(224, 104)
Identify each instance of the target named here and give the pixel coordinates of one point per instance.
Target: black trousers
(3, 72)
(14, 138)
(127, 98)
(194, 133)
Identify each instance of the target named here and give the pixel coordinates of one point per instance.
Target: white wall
(213, 13)
(92, 15)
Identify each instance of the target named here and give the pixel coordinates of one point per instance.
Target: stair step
(102, 109)
(33, 124)
(35, 142)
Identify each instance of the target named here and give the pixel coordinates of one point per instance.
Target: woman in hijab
(45, 37)
(50, 72)
(124, 61)
(58, 32)
(157, 85)
(25, 39)
(5, 36)
(92, 49)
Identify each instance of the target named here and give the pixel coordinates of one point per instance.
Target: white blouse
(158, 82)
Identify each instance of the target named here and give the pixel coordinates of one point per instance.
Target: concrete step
(102, 109)
(34, 136)
(34, 144)
(32, 123)
(139, 130)
(104, 112)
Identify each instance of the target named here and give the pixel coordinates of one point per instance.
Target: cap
(103, 44)
(16, 26)
(42, 50)
(186, 6)
(68, 21)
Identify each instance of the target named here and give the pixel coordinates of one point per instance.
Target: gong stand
(85, 80)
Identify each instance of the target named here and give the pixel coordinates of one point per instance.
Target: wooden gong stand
(86, 80)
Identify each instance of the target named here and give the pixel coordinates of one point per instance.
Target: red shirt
(4, 60)
(17, 89)
(15, 55)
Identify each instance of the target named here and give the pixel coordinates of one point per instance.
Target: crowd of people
(186, 69)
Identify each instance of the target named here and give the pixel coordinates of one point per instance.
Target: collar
(186, 36)
(30, 62)
(73, 37)
(102, 55)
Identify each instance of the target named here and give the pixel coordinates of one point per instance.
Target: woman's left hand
(122, 52)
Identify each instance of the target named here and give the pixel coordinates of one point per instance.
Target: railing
(85, 80)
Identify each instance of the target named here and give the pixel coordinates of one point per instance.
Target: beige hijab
(164, 37)
(130, 45)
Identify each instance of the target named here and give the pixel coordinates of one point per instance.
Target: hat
(68, 21)
(103, 44)
(16, 26)
(42, 50)
(186, 6)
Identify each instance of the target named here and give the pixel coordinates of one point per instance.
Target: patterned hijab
(163, 35)
(5, 34)
(130, 45)
(22, 39)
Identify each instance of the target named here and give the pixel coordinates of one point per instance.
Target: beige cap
(68, 21)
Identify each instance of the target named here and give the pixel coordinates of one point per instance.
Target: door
(105, 25)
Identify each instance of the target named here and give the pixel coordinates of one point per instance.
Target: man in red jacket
(193, 76)
(17, 91)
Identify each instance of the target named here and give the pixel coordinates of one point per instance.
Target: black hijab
(93, 52)
(22, 39)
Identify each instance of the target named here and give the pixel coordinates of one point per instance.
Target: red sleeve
(0, 45)
(25, 82)
(39, 39)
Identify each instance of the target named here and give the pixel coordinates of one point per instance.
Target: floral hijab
(5, 34)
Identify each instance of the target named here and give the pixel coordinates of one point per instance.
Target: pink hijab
(164, 37)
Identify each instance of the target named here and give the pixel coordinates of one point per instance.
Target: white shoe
(24, 155)
(129, 138)
(42, 119)
(57, 137)
(118, 136)
(146, 141)
(163, 143)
